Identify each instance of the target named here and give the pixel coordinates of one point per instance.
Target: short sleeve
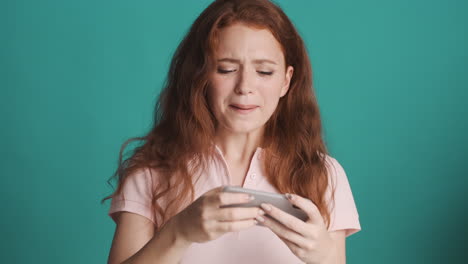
(136, 196)
(343, 211)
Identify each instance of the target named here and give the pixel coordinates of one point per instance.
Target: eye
(223, 71)
(265, 73)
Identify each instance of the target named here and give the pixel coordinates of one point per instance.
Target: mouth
(243, 109)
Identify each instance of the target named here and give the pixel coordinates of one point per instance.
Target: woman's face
(248, 79)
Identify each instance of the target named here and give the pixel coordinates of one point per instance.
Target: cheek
(217, 92)
(271, 101)
(271, 92)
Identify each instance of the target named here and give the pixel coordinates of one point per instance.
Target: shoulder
(344, 214)
(334, 170)
(135, 195)
(337, 177)
(139, 181)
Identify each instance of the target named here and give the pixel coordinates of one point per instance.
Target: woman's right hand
(204, 220)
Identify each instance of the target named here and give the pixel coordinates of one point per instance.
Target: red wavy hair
(179, 143)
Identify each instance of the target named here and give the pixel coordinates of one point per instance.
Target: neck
(238, 147)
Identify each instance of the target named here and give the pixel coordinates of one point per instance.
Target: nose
(244, 83)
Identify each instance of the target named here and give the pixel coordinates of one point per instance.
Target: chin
(242, 127)
(243, 130)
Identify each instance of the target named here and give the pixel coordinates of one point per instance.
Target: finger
(237, 213)
(227, 198)
(286, 219)
(307, 206)
(234, 226)
(214, 190)
(283, 232)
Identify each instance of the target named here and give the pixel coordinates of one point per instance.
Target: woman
(237, 109)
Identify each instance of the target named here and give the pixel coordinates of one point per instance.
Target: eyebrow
(257, 61)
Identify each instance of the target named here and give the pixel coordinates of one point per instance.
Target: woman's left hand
(309, 240)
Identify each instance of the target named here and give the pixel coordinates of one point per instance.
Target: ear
(287, 80)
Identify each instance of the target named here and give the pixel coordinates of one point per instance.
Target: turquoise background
(80, 77)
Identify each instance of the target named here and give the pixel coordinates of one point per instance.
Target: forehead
(243, 42)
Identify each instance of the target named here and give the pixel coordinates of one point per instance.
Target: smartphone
(278, 200)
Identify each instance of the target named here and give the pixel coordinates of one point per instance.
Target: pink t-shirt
(256, 244)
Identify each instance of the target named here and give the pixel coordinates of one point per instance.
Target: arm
(135, 241)
(339, 251)
(202, 221)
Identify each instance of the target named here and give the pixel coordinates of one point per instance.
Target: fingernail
(289, 196)
(266, 207)
(256, 222)
(261, 212)
(260, 219)
(249, 197)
